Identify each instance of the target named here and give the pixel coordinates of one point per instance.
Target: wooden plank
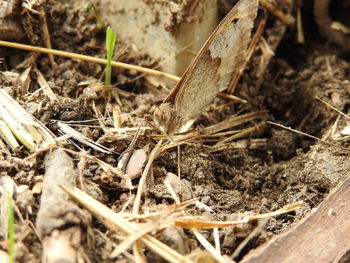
(171, 32)
(323, 236)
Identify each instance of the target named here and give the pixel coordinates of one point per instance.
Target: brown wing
(210, 71)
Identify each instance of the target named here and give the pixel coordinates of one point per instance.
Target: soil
(288, 167)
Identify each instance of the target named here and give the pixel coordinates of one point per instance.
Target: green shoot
(11, 230)
(97, 14)
(110, 44)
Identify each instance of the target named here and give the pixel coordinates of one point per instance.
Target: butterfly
(210, 71)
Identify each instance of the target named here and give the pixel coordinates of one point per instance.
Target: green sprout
(11, 230)
(97, 14)
(110, 44)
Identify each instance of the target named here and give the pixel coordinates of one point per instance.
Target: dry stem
(88, 58)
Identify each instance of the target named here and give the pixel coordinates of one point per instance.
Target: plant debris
(93, 178)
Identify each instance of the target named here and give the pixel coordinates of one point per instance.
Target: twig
(234, 121)
(243, 133)
(300, 31)
(254, 233)
(126, 183)
(208, 246)
(332, 107)
(58, 218)
(250, 51)
(7, 191)
(191, 223)
(7, 136)
(87, 58)
(128, 152)
(29, 131)
(46, 36)
(119, 222)
(144, 176)
(217, 239)
(241, 144)
(45, 86)
(288, 19)
(307, 135)
(66, 129)
(230, 97)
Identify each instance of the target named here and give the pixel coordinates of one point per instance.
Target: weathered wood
(61, 224)
(169, 31)
(7, 189)
(323, 236)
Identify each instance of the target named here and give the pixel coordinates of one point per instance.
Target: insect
(211, 70)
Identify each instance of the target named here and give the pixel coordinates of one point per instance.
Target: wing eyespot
(234, 21)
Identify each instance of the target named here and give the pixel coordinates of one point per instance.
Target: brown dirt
(288, 168)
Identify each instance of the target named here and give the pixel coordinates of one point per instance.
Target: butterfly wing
(211, 70)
